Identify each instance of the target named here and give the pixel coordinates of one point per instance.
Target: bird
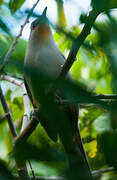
(42, 65)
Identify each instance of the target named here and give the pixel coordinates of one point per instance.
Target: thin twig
(33, 175)
(46, 178)
(12, 80)
(21, 170)
(88, 106)
(77, 43)
(10, 51)
(97, 97)
(8, 114)
(101, 171)
(106, 96)
(29, 128)
(49, 178)
(27, 108)
(94, 173)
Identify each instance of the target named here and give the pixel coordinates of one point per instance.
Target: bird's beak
(44, 12)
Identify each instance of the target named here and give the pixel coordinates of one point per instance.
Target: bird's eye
(33, 26)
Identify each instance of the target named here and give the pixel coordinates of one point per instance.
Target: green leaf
(61, 14)
(91, 148)
(1, 1)
(103, 5)
(5, 174)
(16, 60)
(15, 4)
(107, 143)
(4, 27)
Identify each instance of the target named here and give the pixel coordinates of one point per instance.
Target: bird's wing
(29, 93)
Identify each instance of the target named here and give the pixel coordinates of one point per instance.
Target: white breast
(44, 59)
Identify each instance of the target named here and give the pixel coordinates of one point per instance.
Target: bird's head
(40, 27)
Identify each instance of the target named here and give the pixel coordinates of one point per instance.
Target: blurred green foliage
(15, 65)
(103, 5)
(95, 70)
(14, 5)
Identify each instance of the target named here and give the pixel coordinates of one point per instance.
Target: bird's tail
(79, 168)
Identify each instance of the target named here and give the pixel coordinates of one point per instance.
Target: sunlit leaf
(15, 4)
(91, 148)
(61, 14)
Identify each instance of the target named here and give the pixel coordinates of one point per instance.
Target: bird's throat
(43, 32)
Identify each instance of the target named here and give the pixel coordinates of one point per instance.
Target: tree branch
(95, 174)
(8, 114)
(29, 128)
(13, 80)
(101, 171)
(106, 96)
(10, 51)
(46, 178)
(23, 173)
(49, 178)
(77, 43)
(27, 108)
